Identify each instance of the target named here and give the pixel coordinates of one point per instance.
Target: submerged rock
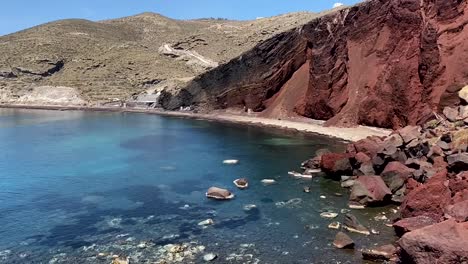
(343, 241)
(231, 162)
(382, 253)
(120, 260)
(334, 225)
(219, 194)
(209, 257)
(352, 225)
(206, 222)
(241, 183)
(329, 215)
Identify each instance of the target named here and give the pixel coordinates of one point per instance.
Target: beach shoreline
(302, 125)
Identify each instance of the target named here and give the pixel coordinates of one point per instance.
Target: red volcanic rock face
(446, 242)
(385, 63)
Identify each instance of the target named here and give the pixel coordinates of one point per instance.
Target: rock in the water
(329, 215)
(219, 194)
(206, 222)
(352, 224)
(209, 257)
(395, 175)
(445, 242)
(334, 225)
(370, 190)
(120, 261)
(409, 224)
(241, 183)
(249, 207)
(343, 241)
(268, 181)
(231, 162)
(382, 253)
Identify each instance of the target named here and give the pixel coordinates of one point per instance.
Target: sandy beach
(298, 124)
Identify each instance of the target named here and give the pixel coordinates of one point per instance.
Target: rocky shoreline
(424, 170)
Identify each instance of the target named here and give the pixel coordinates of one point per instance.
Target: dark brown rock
(445, 242)
(458, 162)
(219, 194)
(412, 223)
(342, 240)
(336, 164)
(368, 190)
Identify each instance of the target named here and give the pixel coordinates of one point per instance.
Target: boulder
(219, 194)
(382, 253)
(463, 111)
(370, 190)
(395, 175)
(336, 163)
(457, 211)
(427, 199)
(241, 183)
(451, 114)
(460, 140)
(394, 140)
(366, 168)
(463, 94)
(445, 242)
(360, 158)
(409, 133)
(409, 224)
(342, 240)
(369, 146)
(458, 162)
(352, 224)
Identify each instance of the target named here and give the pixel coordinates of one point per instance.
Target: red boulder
(370, 190)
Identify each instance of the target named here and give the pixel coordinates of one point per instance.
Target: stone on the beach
(445, 242)
(329, 215)
(366, 168)
(463, 94)
(241, 183)
(458, 162)
(460, 140)
(369, 146)
(370, 190)
(395, 175)
(409, 133)
(427, 199)
(361, 157)
(463, 111)
(334, 225)
(206, 222)
(409, 224)
(451, 113)
(209, 257)
(352, 225)
(230, 162)
(336, 164)
(382, 253)
(268, 181)
(342, 240)
(354, 205)
(347, 183)
(219, 194)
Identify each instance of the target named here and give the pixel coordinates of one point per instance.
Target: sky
(21, 14)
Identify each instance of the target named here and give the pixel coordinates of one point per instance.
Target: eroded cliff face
(386, 63)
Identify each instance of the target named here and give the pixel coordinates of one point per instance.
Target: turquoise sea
(80, 187)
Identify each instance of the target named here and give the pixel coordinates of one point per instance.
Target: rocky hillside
(385, 63)
(84, 62)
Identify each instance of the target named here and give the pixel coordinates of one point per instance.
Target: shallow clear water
(76, 184)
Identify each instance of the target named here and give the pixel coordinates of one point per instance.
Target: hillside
(89, 63)
(384, 63)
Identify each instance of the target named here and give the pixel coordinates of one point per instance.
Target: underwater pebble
(231, 162)
(206, 222)
(209, 257)
(328, 215)
(334, 225)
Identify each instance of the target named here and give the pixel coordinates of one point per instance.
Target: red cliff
(385, 63)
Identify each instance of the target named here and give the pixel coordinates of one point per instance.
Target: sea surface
(84, 187)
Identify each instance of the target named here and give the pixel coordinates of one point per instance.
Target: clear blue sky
(16, 15)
